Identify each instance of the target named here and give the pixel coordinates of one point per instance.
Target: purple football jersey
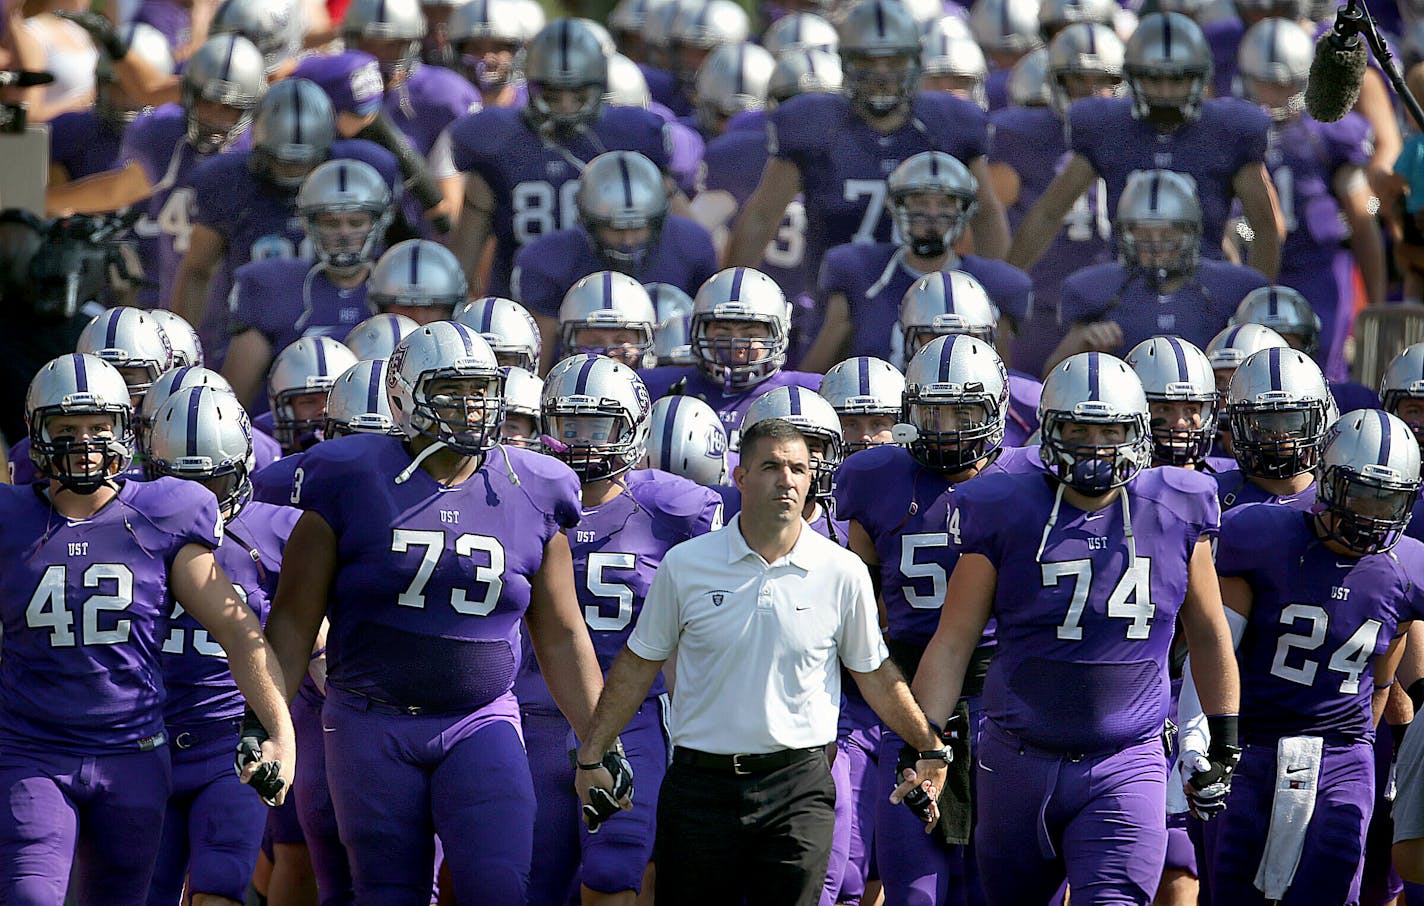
(1083, 640)
(844, 163)
(433, 581)
(352, 79)
(874, 278)
(662, 87)
(685, 149)
(430, 99)
(195, 672)
(1234, 489)
(904, 508)
(546, 267)
(155, 141)
(257, 220)
(1031, 141)
(273, 483)
(1317, 622)
(1303, 156)
(1021, 422)
(1223, 36)
(1197, 311)
(85, 608)
(1230, 134)
(996, 87)
(83, 144)
(1350, 396)
(265, 450)
(285, 299)
(534, 181)
(171, 17)
(617, 548)
(730, 406)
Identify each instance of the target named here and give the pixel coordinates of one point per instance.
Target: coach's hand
(264, 763)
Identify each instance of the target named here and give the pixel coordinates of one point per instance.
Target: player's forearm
(990, 227)
(1367, 246)
(753, 230)
(190, 293)
(467, 241)
(1265, 251)
(98, 194)
(887, 693)
(260, 679)
(624, 691)
(830, 342)
(1033, 238)
(571, 672)
(292, 643)
(1214, 670)
(939, 679)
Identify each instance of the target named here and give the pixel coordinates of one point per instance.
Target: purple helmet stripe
(395, 332)
(564, 65)
(111, 333)
(341, 172)
(1181, 355)
(297, 113)
(1167, 36)
(1230, 340)
(414, 276)
(487, 322)
(946, 355)
(1092, 41)
(195, 405)
(627, 180)
(1093, 367)
(1273, 358)
(1152, 198)
(227, 59)
(464, 336)
(320, 357)
(1384, 437)
(373, 388)
(81, 374)
(862, 368)
(581, 382)
(947, 285)
(1273, 302)
(665, 461)
(879, 20)
(607, 293)
(381, 11)
(737, 273)
(794, 398)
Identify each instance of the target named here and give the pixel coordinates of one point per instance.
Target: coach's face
(774, 478)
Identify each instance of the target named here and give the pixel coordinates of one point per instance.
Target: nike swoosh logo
(1297, 770)
(807, 607)
(984, 766)
(1091, 516)
(328, 729)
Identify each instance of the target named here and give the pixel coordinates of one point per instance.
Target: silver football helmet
(1029, 80)
(1080, 57)
(863, 386)
(1368, 480)
(1279, 407)
(1008, 27)
(386, 20)
(609, 301)
(627, 18)
(1285, 311)
(565, 55)
(1234, 345)
(1174, 373)
(1276, 52)
(955, 403)
(357, 403)
(308, 366)
(740, 294)
(956, 64)
(657, 32)
(622, 190)
(627, 86)
(417, 273)
(444, 353)
(378, 336)
(187, 347)
(686, 438)
(1056, 15)
(292, 133)
(804, 72)
(131, 340)
(79, 384)
(1168, 46)
(596, 416)
(815, 419)
(486, 36)
(698, 29)
(671, 338)
(143, 42)
(168, 384)
(931, 173)
(523, 396)
(275, 27)
(507, 327)
(1404, 380)
(226, 70)
(734, 78)
(203, 434)
(340, 187)
(1097, 389)
(946, 302)
(800, 31)
(880, 30)
(1159, 223)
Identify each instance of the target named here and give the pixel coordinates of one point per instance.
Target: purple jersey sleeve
(83, 144)
(431, 99)
(351, 79)
(274, 483)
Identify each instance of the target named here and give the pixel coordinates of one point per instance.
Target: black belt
(743, 765)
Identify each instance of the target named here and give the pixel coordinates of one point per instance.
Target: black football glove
(1209, 778)
(267, 780)
(604, 804)
(917, 800)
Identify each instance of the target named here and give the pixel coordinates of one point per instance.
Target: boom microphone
(21, 79)
(1338, 71)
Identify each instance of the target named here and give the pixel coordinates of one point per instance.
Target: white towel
(1297, 773)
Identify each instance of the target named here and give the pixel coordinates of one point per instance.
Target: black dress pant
(763, 839)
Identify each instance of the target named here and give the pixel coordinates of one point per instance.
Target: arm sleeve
(659, 623)
(859, 643)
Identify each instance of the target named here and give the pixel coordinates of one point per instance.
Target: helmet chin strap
(420, 457)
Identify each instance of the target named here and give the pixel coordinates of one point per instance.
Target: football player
(596, 413)
(431, 555)
(1168, 122)
(610, 314)
(1071, 779)
(212, 827)
(1161, 283)
(508, 328)
(1182, 401)
(86, 773)
(417, 279)
(866, 394)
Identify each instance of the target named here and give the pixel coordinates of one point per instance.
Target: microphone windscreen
(1336, 76)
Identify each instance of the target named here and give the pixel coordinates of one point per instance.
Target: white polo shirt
(759, 645)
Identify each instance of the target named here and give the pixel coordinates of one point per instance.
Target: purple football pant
(1330, 862)
(840, 834)
(400, 779)
(614, 859)
(1181, 853)
(859, 749)
(1331, 293)
(1098, 820)
(101, 812)
(312, 796)
(1379, 882)
(213, 826)
(916, 868)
